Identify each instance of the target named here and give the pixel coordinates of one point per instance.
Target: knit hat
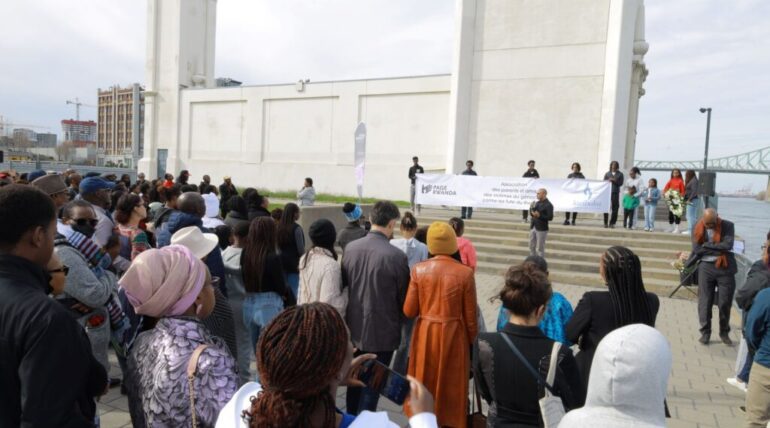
(50, 184)
(352, 211)
(441, 239)
(322, 233)
(164, 282)
(34, 175)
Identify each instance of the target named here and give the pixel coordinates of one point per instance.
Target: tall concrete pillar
(181, 37)
(557, 81)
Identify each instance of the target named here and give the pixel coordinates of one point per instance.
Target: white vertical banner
(360, 157)
(585, 196)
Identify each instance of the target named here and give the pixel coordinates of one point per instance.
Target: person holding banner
(413, 171)
(542, 212)
(531, 172)
(467, 212)
(575, 174)
(615, 177)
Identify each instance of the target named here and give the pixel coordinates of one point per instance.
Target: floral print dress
(157, 375)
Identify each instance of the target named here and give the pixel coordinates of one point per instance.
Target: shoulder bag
(476, 418)
(551, 407)
(192, 369)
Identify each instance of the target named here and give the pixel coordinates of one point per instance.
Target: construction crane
(78, 104)
(5, 126)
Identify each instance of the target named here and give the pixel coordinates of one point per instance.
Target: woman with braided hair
(304, 354)
(600, 312)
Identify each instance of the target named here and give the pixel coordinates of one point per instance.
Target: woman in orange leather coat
(442, 294)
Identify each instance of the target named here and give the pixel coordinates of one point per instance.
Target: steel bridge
(754, 162)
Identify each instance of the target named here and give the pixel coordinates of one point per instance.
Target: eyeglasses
(83, 221)
(64, 269)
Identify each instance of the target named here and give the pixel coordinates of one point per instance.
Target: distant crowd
(186, 286)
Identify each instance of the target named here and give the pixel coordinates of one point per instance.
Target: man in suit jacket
(712, 243)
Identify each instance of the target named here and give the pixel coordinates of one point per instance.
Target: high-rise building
(120, 138)
(78, 130)
(25, 134)
(46, 140)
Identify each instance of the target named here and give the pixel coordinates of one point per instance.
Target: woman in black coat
(599, 312)
(503, 379)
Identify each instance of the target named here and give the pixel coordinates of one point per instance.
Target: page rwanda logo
(437, 190)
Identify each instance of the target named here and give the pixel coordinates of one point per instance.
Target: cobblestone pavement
(698, 395)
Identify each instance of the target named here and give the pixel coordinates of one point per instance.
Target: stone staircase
(573, 252)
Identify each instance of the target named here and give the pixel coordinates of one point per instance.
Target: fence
(61, 167)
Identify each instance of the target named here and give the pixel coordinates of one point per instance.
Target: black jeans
(709, 277)
(673, 218)
(466, 212)
(574, 216)
(524, 214)
(628, 218)
(360, 399)
(615, 201)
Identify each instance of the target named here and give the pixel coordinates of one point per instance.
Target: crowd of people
(188, 285)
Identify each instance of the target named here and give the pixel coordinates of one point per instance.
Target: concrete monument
(558, 81)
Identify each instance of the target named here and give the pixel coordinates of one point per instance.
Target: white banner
(584, 196)
(360, 157)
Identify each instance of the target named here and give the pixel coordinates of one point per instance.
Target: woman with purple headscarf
(172, 286)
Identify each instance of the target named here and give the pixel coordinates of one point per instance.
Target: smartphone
(382, 379)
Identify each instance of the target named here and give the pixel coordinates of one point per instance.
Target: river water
(752, 221)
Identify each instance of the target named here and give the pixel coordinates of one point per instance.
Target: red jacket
(675, 183)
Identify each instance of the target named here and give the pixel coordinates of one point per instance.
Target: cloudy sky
(702, 53)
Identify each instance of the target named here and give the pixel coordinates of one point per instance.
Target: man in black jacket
(48, 376)
(542, 213)
(415, 169)
(712, 243)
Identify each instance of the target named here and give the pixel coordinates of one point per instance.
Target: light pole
(706, 110)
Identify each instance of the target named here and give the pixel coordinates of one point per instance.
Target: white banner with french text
(574, 195)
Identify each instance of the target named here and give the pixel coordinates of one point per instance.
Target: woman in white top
(306, 195)
(304, 354)
(320, 275)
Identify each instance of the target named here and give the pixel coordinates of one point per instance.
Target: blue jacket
(178, 220)
(557, 314)
(652, 193)
(758, 328)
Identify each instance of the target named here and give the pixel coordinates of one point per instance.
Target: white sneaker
(646, 229)
(676, 230)
(686, 232)
(652, 229)
(734, 381)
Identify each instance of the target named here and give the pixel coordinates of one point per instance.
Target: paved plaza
(698, 395)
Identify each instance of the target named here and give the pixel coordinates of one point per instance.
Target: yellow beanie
(441, 239)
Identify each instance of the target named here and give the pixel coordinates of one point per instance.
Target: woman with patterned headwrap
(174, 287)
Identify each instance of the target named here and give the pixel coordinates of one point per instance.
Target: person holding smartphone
(304, 355)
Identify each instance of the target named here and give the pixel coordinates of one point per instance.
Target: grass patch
(320, 197)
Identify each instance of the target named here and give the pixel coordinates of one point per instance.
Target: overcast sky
(702, 53)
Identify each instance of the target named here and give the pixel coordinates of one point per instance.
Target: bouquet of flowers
(686, 274)
(675, 202)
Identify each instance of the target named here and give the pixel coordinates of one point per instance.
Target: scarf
(701, 236)
(97, 258)
(164, 282)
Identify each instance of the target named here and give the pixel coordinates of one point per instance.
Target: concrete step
(578, 261)
(661, 287)
(495, 236)
(511, 244)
